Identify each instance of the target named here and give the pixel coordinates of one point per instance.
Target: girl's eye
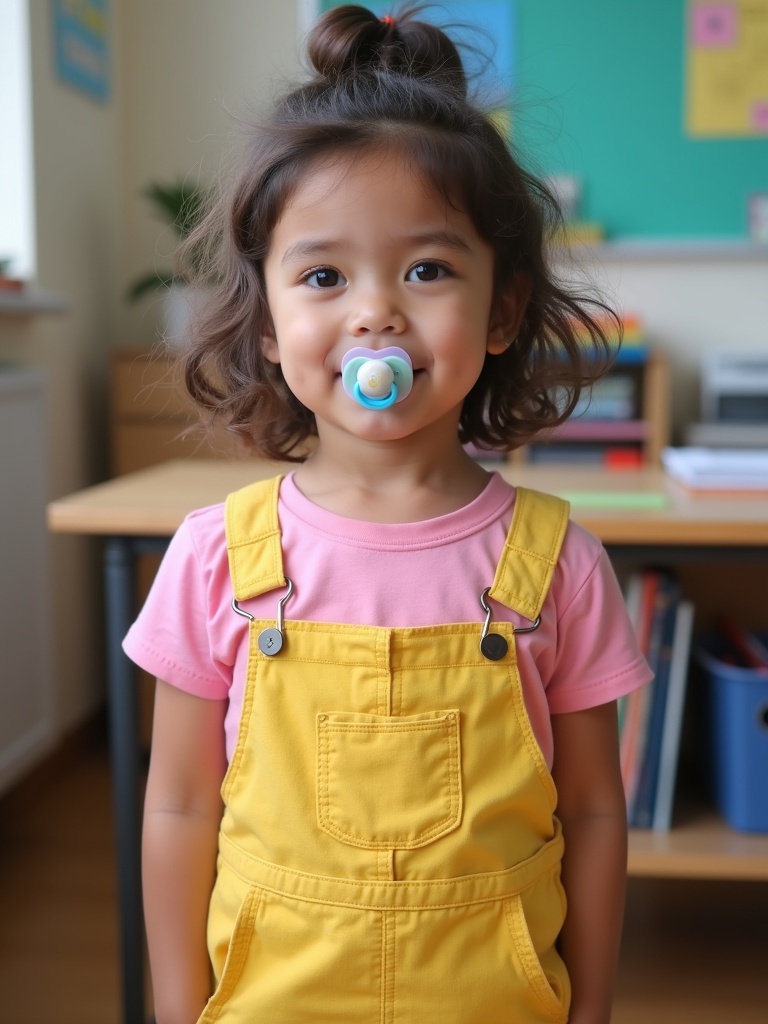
(324, 277)
(426, 272)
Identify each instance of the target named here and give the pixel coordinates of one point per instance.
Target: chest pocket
(388, 783)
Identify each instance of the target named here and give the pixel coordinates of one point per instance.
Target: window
(17, 219)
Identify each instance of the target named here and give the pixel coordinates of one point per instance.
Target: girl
(382, 674)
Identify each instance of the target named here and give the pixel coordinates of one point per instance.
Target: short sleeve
(172, 636)
(598, 659)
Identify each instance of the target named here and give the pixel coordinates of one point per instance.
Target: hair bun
(351, 39)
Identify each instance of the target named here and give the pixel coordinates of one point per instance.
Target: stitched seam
(416, 909)
(527, 954)
(390, 972)
(252, 672)
(236, 955)
(564, 611)
(163, 659)
(543, 773)
(448, 823)
(448, 537)
(254, 538)
(382, 674)
(265, 491)
(550, 856)
(511, 595)
(383, 969)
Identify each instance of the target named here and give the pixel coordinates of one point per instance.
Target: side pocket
(552, 993)
(388, 782)
(239, 944)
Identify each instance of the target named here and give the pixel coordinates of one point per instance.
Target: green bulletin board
(599, 93)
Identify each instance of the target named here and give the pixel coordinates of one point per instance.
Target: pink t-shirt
(404, 574)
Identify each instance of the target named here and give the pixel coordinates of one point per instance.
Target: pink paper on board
(760, 116)
(713, 25)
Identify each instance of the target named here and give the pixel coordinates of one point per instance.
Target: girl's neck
(392, 482)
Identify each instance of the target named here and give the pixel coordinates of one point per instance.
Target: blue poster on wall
(81, 45)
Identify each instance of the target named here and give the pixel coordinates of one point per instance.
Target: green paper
(617, 499)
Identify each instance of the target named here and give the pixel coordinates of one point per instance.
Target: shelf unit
(643, 435)
(701, 846)
(31, 300)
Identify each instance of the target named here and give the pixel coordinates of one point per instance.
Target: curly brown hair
(395, 84)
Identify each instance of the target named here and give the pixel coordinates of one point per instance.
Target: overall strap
(253, 539)
(530, 554)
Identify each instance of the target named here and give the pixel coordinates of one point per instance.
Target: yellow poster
(727, 69)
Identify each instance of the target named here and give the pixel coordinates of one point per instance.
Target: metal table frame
(120, 556)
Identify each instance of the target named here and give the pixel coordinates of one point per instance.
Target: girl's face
(365, 255)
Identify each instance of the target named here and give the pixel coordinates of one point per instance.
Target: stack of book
(709, 469)
(650, 719)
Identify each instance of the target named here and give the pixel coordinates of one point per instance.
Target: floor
(693, 951)
(58, 926)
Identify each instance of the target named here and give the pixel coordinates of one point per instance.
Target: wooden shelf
(675, 249)
(608, 431)
(647, 434)
(693, 950)
(700, 846)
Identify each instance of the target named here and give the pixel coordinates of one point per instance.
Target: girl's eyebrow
(445, 239)
(307, 248)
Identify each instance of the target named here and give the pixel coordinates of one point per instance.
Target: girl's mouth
(377, 379)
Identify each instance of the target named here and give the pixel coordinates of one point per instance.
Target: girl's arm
(592, 810)
(182, 811)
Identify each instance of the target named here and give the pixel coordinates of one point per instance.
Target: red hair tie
(388, 20)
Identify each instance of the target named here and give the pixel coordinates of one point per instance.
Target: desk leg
(126, 773)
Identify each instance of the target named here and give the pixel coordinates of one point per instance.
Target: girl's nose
(376, 314)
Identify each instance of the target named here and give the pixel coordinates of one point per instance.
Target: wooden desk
(154, 501)
(641, 513)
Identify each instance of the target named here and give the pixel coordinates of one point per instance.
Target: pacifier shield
(377, 379)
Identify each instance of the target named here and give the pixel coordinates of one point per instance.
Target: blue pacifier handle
(375, 403)
(377, 379)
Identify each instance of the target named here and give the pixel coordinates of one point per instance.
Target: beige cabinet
(153, 420)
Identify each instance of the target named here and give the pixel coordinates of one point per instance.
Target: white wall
(690, 306)
(192, 68)
(78, 189)
(179, 66)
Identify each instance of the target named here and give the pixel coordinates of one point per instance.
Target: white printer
(734, 401)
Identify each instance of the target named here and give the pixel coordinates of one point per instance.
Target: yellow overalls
(388, 850)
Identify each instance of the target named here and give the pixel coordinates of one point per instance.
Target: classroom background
(602, 94)
(181, 72)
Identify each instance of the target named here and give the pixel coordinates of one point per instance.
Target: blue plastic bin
(738, 720)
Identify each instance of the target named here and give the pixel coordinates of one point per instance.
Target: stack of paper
(735, 469)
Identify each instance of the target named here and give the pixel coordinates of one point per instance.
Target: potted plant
(181, 205)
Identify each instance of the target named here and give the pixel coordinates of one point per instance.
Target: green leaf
(148, 283)
(180, 203)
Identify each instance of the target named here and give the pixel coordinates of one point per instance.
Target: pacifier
(377, 379)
